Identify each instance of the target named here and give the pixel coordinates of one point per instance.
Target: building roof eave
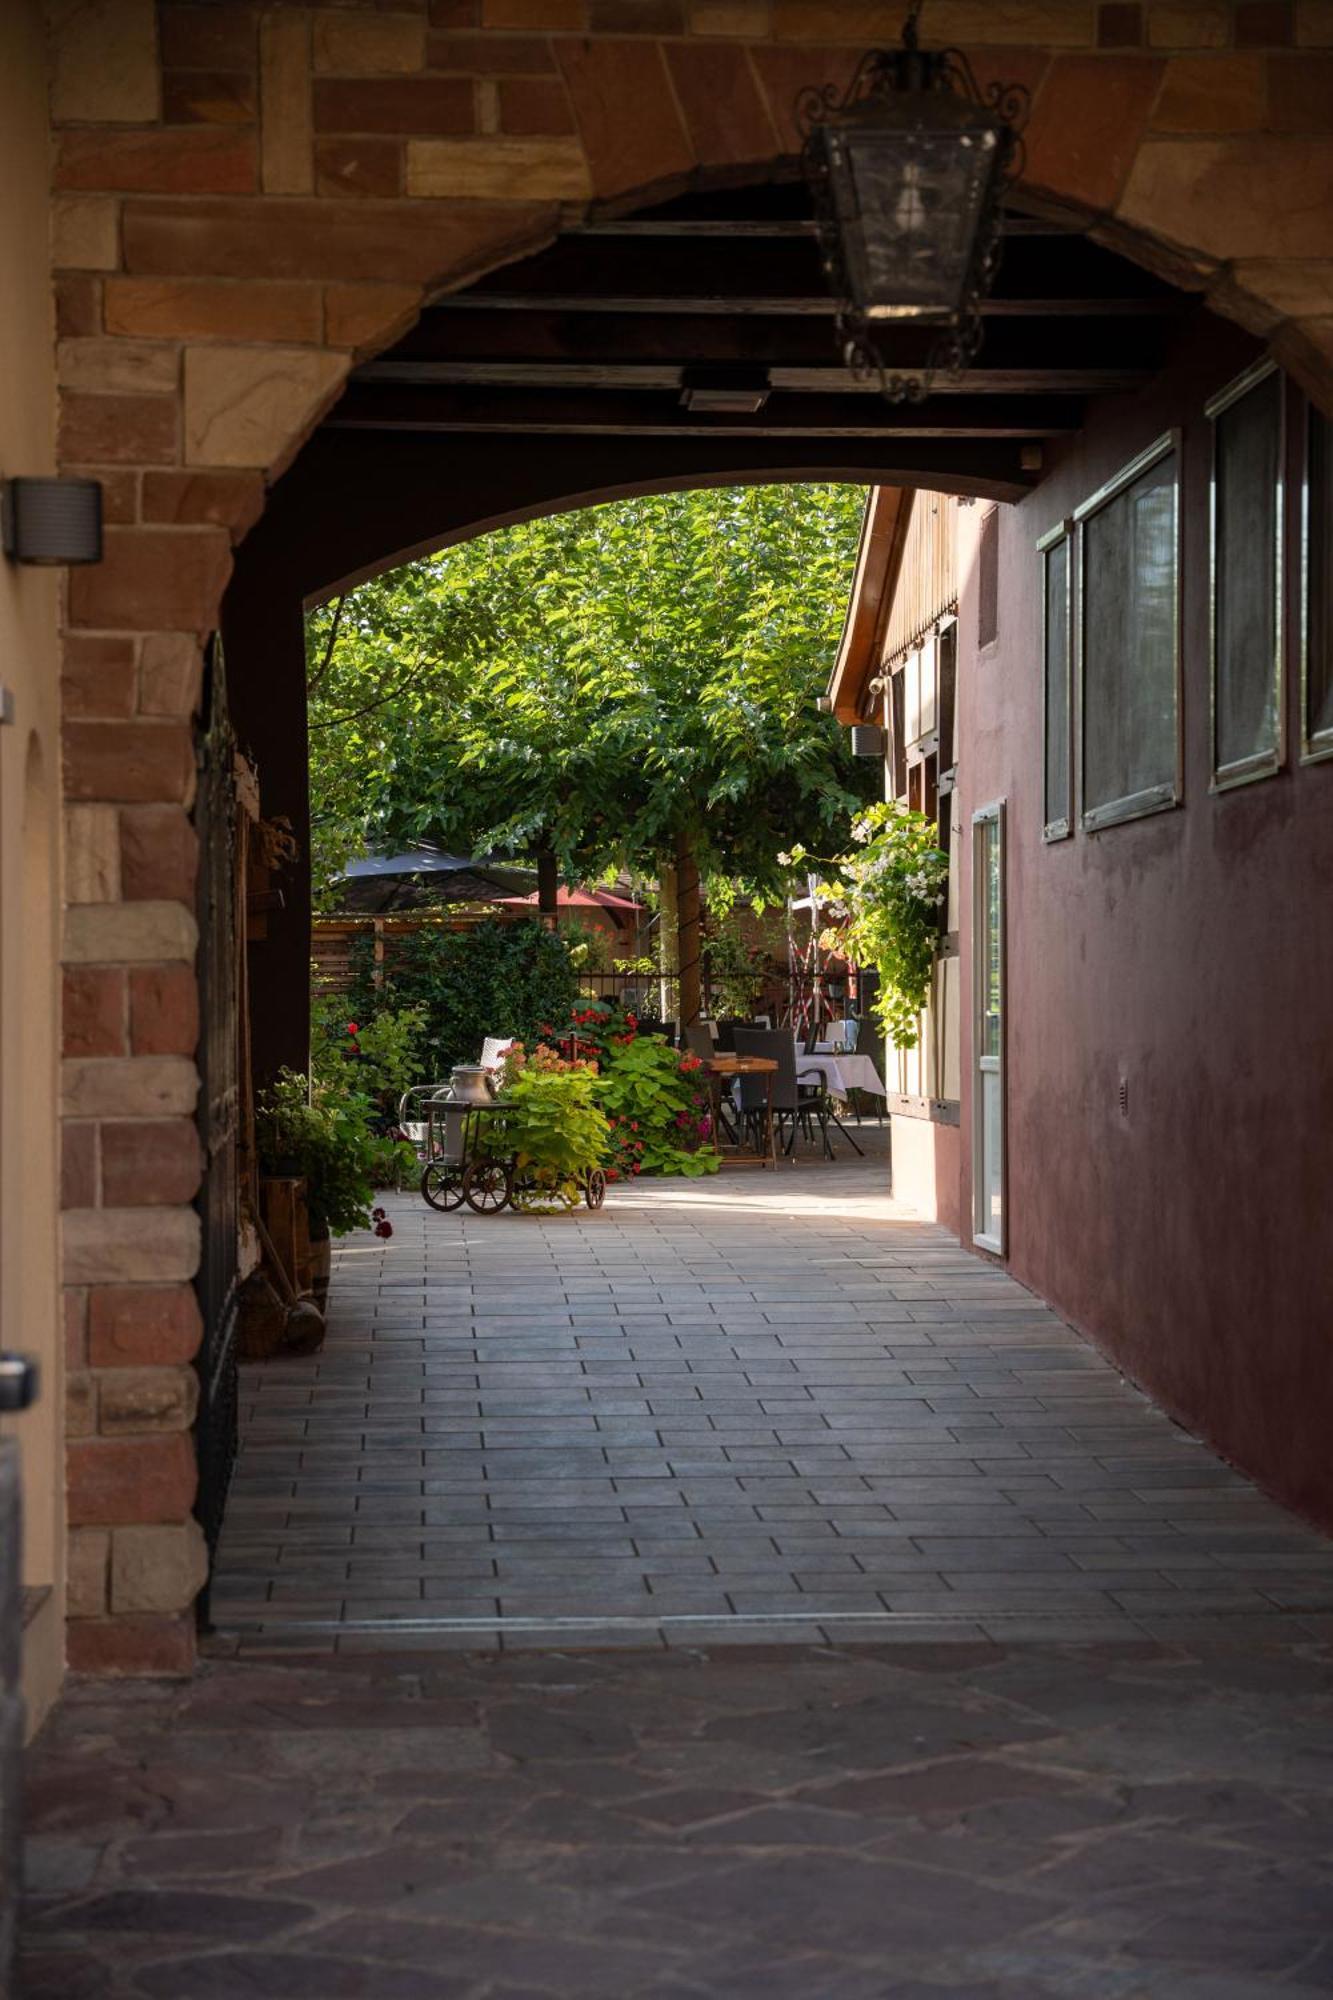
(883, 537)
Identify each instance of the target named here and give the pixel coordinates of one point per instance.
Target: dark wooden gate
(217, 1283)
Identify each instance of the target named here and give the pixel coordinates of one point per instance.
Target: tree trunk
(668, 939)
(548, 884)
(687, 918)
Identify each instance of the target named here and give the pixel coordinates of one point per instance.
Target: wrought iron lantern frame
(910, 74)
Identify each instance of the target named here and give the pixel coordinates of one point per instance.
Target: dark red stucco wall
(1192, 954)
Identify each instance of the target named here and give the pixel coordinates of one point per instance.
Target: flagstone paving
(1116, 1821)
(757, 1408)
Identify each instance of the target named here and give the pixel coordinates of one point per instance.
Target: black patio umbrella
(421, 877)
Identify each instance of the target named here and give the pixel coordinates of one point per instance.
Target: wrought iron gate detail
(217, 1283)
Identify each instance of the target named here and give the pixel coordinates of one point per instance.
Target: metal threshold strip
(635, 1622)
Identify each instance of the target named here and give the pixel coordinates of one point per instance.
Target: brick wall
(248, 198)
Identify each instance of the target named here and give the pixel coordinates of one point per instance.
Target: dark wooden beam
(595, 376)
(749, 225)
(647, 412)
(748, 268)
(673, 338)
(793, 306)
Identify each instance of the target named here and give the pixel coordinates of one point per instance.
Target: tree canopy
(606, 685)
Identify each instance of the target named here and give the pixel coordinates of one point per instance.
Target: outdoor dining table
(841, 1073)
(720, 1069)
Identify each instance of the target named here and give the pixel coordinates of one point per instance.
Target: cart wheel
(442, 1185)
(487, 1186)
(594, 1187)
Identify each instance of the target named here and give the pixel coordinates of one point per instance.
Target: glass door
(988, 1028)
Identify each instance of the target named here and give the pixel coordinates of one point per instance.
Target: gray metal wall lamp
(49, 521)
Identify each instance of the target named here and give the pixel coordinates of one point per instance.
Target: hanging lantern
(908, 171)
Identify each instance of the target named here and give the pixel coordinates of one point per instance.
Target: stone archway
(250, 199)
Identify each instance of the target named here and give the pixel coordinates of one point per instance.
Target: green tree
(632, 685)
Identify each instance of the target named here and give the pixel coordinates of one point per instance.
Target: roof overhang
(883, 538)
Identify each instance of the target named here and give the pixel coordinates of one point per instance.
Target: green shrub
(496, 979)
(377, 1051)
(655, 1101)
(657, 1108)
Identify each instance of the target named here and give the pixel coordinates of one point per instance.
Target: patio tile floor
(757, 1407)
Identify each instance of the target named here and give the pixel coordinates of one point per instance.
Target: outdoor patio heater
(908, 170)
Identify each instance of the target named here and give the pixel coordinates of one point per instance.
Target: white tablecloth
(841, 1074)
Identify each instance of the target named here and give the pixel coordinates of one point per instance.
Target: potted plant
(326, 1136)
(549, 1124)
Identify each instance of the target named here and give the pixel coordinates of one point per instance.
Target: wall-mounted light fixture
(908, 171)
(724, 390)
(52, 520)
(867, 739)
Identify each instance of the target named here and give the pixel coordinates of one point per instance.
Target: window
(897, 737)
(1057, 649)
(988, 579)
(1247, 577)
(1317, 652)
(1129, 640)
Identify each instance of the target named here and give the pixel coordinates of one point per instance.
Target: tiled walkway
(756, 1408)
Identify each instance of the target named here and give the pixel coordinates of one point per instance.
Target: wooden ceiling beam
(748, 267)
(672, 338)
(794, 306)
(652, 411)
(687, 227)
(600, 376)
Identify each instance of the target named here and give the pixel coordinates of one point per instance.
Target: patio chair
(726, 1035)
(699, 1039)
(795, 1105)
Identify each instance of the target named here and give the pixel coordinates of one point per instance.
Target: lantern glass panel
(910, 203)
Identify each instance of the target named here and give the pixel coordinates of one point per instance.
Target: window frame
(1059, 828)
(1260, 763)
(1153, 798)
(1316, 748)
(995, 815)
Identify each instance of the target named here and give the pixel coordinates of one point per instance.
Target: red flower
(352, 1028)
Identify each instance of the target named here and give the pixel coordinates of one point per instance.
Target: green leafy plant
(495, 979)
(735, 971)
(549, 1122)
(657, 1109)
(329, 1137)
(589, 949)
(378, 1053)
(884, 902)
